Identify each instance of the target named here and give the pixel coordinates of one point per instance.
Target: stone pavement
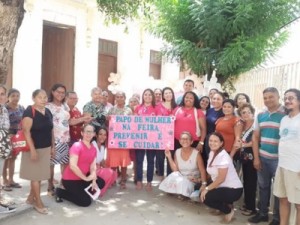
(116, 207)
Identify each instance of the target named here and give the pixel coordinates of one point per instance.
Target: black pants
(160, 162)
(74, 191)
(250, 184)
(222, 198)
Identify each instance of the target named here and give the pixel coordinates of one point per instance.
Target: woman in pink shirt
(147, 108)
(81, 171)
(188, 117)
(164, 108)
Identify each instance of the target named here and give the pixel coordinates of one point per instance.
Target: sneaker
(274, 222)
(6, 209)
(248, 212)
(258, 218)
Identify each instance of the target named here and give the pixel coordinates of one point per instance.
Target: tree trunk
(11, 16)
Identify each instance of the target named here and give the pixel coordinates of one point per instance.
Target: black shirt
(42, 125)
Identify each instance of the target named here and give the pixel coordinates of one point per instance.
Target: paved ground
(116, 207)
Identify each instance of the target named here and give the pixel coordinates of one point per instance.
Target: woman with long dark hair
(164, 108)
(61, 116)
(188, 117)
(226, 186)
(147, 108)
(106, 173)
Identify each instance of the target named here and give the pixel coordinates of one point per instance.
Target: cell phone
(93, 193)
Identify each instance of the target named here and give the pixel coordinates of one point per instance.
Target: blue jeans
(265, 176)
(139, 156)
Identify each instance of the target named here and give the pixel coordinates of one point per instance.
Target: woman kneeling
(226, 187)
(186, 166)
(81, 172)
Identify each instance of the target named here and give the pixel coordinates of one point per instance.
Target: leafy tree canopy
(232, 36)
(119, 11)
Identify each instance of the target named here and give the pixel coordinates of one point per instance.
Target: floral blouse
(120, 111)
(4, 118)
(15, 117)
(97, 112)
(61, 118)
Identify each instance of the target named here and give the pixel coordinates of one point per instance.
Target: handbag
(198, 131)
(18, 141)
(5, 144)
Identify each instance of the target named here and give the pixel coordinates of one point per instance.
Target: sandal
(7, 188)
(139, 185)
(149, 187)
(15, 185)
(51, 192)
(123, 184)
(41, 210)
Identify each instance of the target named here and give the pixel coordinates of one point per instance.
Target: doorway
(58, 51)
(107, 63)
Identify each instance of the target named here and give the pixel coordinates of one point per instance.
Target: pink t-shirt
(85, 158)
(185, 121)
(162, 110)
(223, 160)
(143, 110)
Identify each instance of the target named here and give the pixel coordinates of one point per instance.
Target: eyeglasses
(290, 98)
(244, 112)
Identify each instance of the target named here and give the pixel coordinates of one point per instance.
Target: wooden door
(58, 56)
(107, 63)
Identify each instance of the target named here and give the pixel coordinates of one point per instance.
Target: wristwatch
(206, 188)
(201, 142)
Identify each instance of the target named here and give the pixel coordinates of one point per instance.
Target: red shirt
(143, 110)
(75, 130)
(162, 110)
(185, 121)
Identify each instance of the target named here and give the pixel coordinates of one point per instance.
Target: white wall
(133, 49)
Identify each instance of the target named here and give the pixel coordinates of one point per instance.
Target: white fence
(255, 81)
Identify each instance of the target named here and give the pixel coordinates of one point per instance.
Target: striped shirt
(268, 124)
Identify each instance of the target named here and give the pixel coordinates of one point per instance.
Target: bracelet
(204, 183)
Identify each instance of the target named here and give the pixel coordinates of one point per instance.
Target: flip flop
(7, 188)
(15, 185)
(43, 211)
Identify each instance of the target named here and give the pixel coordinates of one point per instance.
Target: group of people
(215, 140)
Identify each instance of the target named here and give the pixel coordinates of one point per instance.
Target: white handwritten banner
(141, 132)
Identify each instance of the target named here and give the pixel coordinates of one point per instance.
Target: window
(155, 64)
(108, 47)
